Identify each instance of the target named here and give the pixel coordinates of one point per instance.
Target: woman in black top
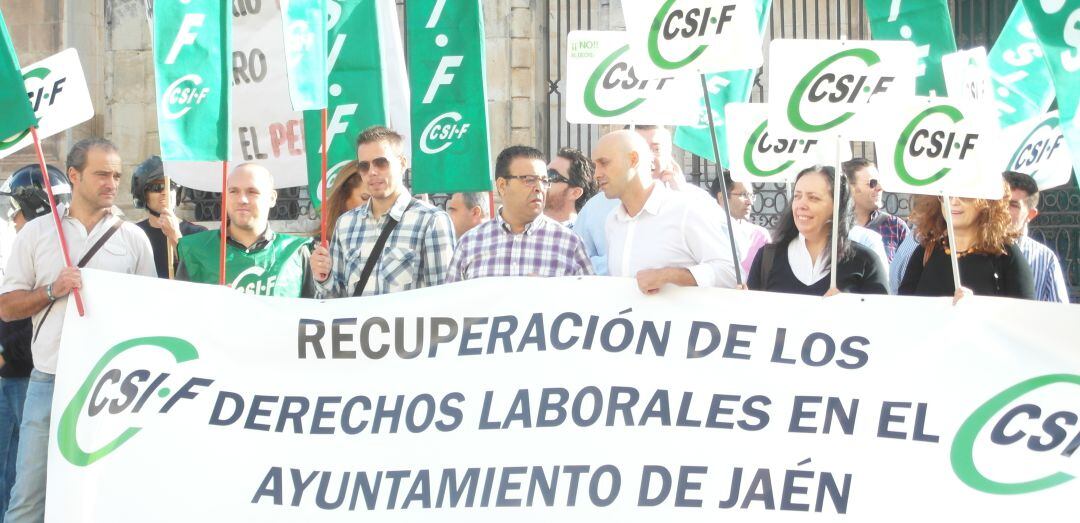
(990, 262)
(797, 261)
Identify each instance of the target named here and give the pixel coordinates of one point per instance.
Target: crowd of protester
(625, 209)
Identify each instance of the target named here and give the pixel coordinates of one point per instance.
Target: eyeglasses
(380, 163)
(530, 180)
(159, 187)
(873, 183)
(555, 177)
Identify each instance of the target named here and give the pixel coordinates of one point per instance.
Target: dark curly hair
(580, 174)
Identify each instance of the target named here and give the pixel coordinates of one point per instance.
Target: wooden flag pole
(322, 198)
(834, 263)
(224, 219)
(56, 215)
(723, 186)
(170, 252)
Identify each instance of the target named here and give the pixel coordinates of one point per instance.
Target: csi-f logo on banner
(669, 37)
(939, 146)
(189, 90)
(1023, 441)
(604, 86)
(58, 96)
(760, 154)
(820, 86)
(110, 391)
(1037, 147)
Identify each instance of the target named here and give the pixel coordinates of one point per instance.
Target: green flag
(14, 103)
(367, 85)
(1057, 28)
(449, 119)
(192, 66)
(1022, 87)
(724, 88)
(924, 22)
(303, 23)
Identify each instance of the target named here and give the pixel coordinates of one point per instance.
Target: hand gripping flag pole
(56, 215)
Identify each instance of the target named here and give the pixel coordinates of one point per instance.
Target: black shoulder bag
(376, 251)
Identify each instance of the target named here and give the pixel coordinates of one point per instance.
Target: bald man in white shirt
(657, 235)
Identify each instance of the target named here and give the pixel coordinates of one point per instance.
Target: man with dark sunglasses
(866, 194)
(392, 243)
(162, 227)
(572, 184)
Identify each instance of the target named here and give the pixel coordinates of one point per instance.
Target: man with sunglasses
(162, 227)
(520, 240)
(572, 184)
(866, 195)
(392, 243)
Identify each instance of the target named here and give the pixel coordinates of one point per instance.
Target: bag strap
(376, 251)
(768, 254)
(82, 263)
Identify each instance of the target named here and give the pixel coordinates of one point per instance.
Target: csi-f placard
(830, 87)
(58, 94)
(758, 154)
(967, 75)
(1037, 147)
(941, 146)
(604, 87)
(671, 37)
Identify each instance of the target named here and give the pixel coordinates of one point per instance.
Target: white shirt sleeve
(19, 274)
(707, 239)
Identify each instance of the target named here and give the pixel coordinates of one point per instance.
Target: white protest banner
(1036, 147)
(758, 155)
(466, 402)
(603, 86)
(59, 96)
(967, 75)
(831, 86)
(673, 37)
(942, 146)
(264, 127)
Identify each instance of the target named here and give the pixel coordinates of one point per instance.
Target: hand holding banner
(603, 87)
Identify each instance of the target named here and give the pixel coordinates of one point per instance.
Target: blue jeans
(12, 397)
(27, 503)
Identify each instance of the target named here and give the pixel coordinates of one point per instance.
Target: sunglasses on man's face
(873, 183)
(555, 177)
(381, 163)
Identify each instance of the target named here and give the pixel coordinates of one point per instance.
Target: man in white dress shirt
(657, 235)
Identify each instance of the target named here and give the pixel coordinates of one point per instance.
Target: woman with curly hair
(347, 192)
(798, 262)
(990, 262)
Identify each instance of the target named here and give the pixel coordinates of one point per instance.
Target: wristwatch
(48, 292)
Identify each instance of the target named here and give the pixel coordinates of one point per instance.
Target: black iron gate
(975, 23)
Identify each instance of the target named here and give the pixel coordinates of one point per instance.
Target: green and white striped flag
(927, 24)
(14, 103)
(192, 66)
(724, 88)
(367, 85)
(303, 24)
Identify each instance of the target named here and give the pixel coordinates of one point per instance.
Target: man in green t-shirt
(257, 260)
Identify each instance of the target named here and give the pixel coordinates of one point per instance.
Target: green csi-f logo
(616, 75)
(819, 86)
(1056, 432)
(1039, 145)
(761, 142)
(671, 25)
(42, 97)
(919, 140)
(108, 391)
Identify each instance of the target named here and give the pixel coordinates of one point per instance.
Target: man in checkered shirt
(866, 195)
(419, 237)
(520, 240)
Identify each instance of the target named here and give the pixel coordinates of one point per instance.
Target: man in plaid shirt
(419, 241)
(520, 240)
(866, 194)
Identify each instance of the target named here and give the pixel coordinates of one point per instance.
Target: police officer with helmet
(149, 192)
